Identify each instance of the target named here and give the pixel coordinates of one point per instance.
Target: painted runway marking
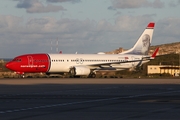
(81, 102)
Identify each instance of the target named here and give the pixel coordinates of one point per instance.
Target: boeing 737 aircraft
(85, 64)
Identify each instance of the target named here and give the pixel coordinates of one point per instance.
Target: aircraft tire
(92, 75)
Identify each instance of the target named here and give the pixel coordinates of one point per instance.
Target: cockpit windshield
(17, 59)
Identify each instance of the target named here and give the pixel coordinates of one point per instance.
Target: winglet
(155, 52)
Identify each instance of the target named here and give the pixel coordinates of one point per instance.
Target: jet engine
(80, 70)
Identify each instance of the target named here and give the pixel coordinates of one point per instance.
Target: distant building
(160, 69)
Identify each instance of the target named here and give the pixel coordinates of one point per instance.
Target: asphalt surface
(89, 99)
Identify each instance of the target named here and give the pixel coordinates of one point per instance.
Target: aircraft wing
(110, 63)
(127, 61)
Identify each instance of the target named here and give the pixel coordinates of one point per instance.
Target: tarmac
(89, 99)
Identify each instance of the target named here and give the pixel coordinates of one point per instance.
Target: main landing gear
(92, 75)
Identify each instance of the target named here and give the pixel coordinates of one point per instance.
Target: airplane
(85, 64)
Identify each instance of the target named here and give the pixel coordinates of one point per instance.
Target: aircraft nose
(8, 65)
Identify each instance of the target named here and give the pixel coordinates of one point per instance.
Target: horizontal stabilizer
(152, 56)
(155, 53)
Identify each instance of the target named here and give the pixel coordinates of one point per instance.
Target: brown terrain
(163, 49)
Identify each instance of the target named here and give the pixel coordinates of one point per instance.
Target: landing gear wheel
(21, 76)
(92, 75)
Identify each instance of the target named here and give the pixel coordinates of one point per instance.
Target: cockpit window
(17, 59)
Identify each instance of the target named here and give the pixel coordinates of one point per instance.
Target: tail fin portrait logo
(145, 44)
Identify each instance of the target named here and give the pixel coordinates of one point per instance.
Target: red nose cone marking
(10, 65)
(7, 65)
(29, 63)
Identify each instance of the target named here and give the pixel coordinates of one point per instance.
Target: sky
(83, 26)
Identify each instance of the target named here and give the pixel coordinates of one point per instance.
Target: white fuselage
(63, 62)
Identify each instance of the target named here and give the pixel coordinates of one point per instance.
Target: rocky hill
(163, 49)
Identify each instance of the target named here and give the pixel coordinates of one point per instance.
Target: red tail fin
(150, 25)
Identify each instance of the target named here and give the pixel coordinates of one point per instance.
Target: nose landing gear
(20, 74)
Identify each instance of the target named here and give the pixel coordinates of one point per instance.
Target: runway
(89, 99)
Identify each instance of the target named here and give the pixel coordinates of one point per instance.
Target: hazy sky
(83, 26)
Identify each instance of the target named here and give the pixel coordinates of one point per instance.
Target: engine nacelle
(80, 70)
